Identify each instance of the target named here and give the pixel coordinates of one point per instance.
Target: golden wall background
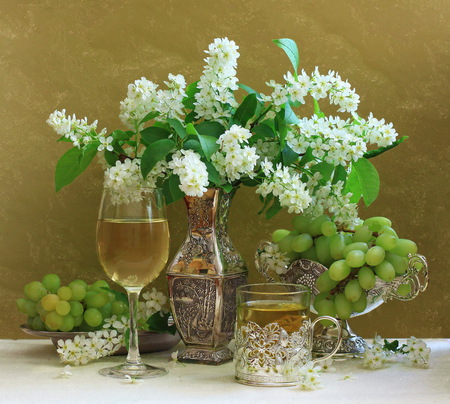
(80, 55)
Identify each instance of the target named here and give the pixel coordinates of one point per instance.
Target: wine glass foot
(126, 371)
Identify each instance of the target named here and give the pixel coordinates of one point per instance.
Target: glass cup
(274, 334)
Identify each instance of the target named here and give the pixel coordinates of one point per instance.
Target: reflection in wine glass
(133, 248)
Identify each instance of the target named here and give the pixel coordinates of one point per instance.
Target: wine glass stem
(133, 357)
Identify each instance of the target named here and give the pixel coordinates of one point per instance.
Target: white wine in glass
(133, 248)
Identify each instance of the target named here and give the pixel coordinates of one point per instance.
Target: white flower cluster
(154, 302)
(310, 378)
(192, 171)
(144, 97)
(274, 259)
(285, 185)
(78, 130)
(82, 350)
(330, 199)
(416, 351)
(218, 81)
(235, 157)
(125, 180)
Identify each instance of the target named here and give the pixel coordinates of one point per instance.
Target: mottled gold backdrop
(80, 55)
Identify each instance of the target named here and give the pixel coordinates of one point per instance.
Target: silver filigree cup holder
(305, 272)
(274, 334)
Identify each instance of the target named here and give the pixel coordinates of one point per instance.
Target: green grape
(400, 264)
(323, 250)
(53, 320)
(78, 291)
(302, 242)
(118, 308)
(35, 291)
(355, 258)
(375, 255)
(385, 271)
(362, 234)
(339, 270)
(344, 308)
(388, 230)
(76, 309)
(49, 302)
(68, 323)
(386, 241)
(319, 298)
(310, 254)
(96, 300)
(355, 246)
(109, 295)
(21, 305)
(37, 324)
(30, 308)
(285, 243)
(361, 304)
(348, 238)
(301, 223)
(105, 310)
(404, 247)
(315, 226)
(292, 255)
(279, 235)
(375, 223)
(324, 283)
(40, 309)
(64, 293)
(98, 285)
(77, 320)
(93, 317)
(326, 308)
(80, 281)
(353, 290)
(62, 307)
(328, 228)
(337, 245)
(404, 289)
(366, 278)
(51, 282)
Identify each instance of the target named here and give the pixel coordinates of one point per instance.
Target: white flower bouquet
(186, 138)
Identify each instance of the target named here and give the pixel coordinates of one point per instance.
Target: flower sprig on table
(416, 352)
(186, 138)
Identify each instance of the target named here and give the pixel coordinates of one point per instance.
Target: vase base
(205, 356)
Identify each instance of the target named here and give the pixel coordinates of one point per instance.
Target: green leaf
(325, 169)
(307, 157)
(64, 139)
(153, 134)
(209, 128)
(352, 185)
(317, 110)
(171, 189)
(120, 135)
(121, 297)
(193, 145)
(160, 323)
(340, 174)
(191, 117)
(289, 156)
(192, 89)
(149, 117)
(266, 201)
(289, 115)
(261, 132)
(227, 188)
(190, 129)
(291, 50)
(247, 109)
(178, 126)
(248, 89)
(209, 145)
(282, 129)
(213, 174)
(377, 152)
(249, 182)
(71, 165)
(154, 153)
(366, 175)
(111, 158)
(274, 209)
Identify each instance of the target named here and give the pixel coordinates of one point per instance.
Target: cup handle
(338, 342)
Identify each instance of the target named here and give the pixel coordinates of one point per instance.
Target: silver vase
(203, 278)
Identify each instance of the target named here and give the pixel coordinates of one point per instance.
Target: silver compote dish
(305, 272)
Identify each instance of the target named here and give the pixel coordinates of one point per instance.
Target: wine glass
(133, 248)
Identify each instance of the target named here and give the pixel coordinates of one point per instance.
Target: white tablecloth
(29, 372)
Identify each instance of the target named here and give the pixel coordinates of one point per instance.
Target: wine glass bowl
(133, 249)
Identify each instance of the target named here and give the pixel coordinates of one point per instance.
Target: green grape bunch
(78, 306)
(355, 259)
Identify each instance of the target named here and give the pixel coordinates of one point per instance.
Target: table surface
(30, 369)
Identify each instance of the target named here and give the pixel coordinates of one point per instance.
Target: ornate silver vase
(305, 272)
(203, 278)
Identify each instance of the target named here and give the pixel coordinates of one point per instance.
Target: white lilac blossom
(154, 302)
(235, 157)
(193, 174)
(310, 378)
(417, 352)
(275, 259)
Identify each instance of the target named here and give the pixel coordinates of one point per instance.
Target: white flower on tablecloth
(326, 366)
(66, 372)
(132, 380)
(310, 378)
(417, 352)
